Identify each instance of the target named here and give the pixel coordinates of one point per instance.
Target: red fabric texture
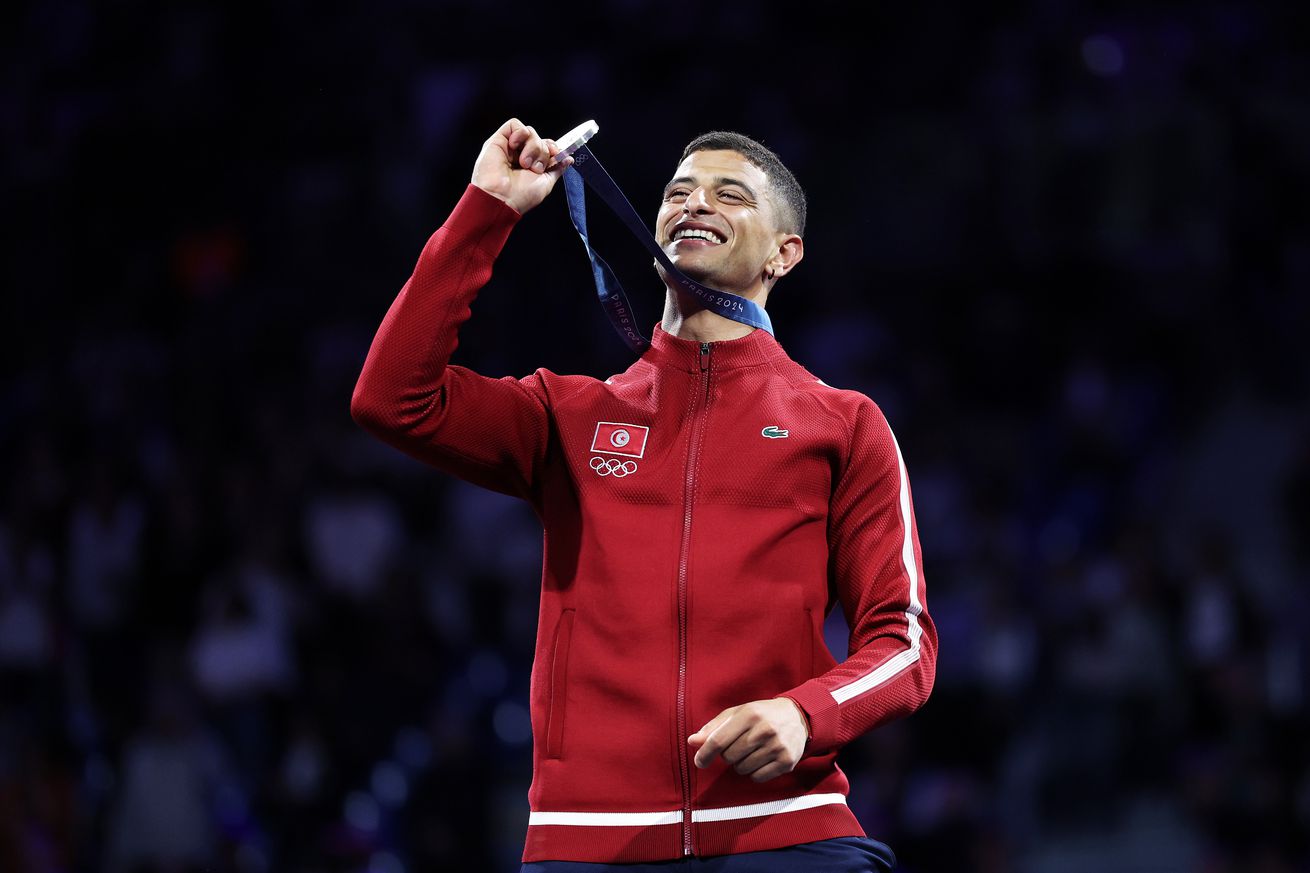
(675, 584)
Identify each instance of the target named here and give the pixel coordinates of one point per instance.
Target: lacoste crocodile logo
(774, 432)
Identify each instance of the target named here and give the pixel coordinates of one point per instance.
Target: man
(704, 511)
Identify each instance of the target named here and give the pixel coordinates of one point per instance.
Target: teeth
(695, 233)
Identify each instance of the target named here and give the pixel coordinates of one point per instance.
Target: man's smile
(697, 234)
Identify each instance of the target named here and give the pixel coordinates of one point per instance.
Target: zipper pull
(704, 357)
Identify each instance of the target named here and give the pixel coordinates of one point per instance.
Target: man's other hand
(761, 739)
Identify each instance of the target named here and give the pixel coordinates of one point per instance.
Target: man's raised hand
(517, 166)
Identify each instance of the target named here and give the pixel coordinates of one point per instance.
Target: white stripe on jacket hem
(721, 813)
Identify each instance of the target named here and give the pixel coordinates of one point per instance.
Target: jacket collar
(756, 347)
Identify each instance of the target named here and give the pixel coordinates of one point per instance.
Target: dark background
(1064, 247)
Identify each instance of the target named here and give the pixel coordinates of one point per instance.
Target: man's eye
(675, 193)
(730, 195)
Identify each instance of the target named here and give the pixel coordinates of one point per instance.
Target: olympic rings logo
(613, 467)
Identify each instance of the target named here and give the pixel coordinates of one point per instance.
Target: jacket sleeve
(492, 432)
(877, 568)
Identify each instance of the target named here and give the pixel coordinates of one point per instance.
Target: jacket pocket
(559, 684)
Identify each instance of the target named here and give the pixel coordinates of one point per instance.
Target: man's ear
(791, 249)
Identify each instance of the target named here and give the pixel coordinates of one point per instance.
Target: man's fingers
(536, 153)
(750, 760)
(769, 771)
(530, 149)
(719, 739)
(701, 735)
(524, 147)
(746, 744)
(541, 152)
(515, 133)
(509, 137)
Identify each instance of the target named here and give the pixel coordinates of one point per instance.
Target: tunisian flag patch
(617, 438)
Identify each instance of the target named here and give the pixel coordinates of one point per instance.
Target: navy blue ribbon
(612, 299)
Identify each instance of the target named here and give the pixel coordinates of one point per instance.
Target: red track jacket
(703, 513)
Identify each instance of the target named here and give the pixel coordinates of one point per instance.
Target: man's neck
(685, 320)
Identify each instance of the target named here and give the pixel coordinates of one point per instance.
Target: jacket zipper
(689, 489)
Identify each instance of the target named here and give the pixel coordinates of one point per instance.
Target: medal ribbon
(612, 298)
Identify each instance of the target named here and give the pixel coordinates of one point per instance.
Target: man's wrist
(805, 719)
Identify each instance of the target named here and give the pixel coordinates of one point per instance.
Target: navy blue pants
(840, 855)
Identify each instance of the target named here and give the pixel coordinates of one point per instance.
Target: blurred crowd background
(1065, 248)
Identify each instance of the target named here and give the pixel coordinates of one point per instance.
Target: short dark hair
(789, 191)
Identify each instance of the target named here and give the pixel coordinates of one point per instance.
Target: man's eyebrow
(719, 181)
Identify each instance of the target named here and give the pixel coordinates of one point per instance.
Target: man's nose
(696, 202)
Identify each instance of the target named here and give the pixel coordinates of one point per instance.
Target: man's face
(718, 223)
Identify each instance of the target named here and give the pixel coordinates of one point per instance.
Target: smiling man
(685, 708)
(724, 223)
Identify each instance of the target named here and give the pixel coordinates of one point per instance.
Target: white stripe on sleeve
(899, 662)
